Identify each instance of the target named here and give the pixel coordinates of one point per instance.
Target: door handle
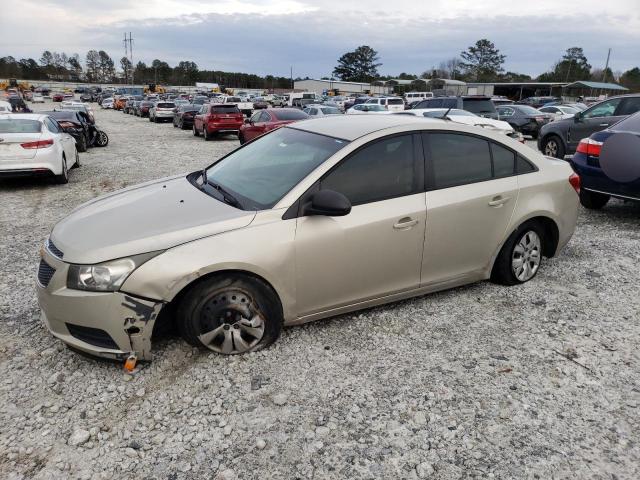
(604, 124)
(498, 201)
(405, 223)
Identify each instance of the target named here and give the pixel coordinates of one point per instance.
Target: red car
(57, 97)
(217, 118)
(266, 120)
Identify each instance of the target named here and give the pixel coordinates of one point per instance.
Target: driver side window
(604, 109)
(255, 117)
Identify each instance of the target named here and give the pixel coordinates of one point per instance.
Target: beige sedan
(312, 220)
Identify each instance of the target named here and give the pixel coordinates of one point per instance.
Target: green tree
(571, 67)
(185, 73)
(161, 71)
(482, 62)
(92, 63)
(127, 68)
(631, 79)
(361, 65)
(107, 68)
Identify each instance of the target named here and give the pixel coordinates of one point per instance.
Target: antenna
(445, 116)
(126, 55)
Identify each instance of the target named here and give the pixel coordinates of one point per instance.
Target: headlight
(105, 277)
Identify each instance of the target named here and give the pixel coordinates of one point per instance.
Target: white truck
(300, 99)
(245, 107)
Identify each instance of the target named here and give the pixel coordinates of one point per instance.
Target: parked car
(561, 138)
(392, 104)
(259, 103)
(161, 111)
(276, 100)
(559, 112)
(477, 104)
(184, 114)
(266, 120)
(410, 97)
(311, 220)
(107, 103)
(34, 144)
(86, 97)
(78, 107)
(142, 109)
(57, 97)
(214, 118)
(245, 106)
(37, 98)
(523, 118)
(501, 101)
(537, 102)
(366, 108)
(134, 106)
(321, 110)
(354, 101)
(200, 100)
(607, 163)
(75, 123)
(68, 96)
(466, 118)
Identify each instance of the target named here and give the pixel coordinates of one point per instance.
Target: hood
(144, 218)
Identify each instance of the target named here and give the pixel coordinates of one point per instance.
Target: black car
(75, 123)
(607, 163)
(524, 119)
(86, 97)
(478, 104)
(561, 137)
(183, 115)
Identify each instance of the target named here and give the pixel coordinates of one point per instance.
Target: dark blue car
(608, 163)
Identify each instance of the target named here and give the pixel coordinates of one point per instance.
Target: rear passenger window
(458, 159)
(382, 170)
(449, 103)
(523, 166)
(435, 103)
(503, 161)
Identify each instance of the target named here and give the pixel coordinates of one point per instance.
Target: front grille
(92, 336)
(45, 272)
(54, 250)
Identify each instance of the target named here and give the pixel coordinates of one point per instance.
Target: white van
(410, 97)
(393, 104)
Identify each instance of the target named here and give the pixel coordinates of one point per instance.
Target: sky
(271, 36)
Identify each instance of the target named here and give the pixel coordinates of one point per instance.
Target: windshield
(290, 114)
(263, 171)
(165, 105)
(479, 106)
(13, 125)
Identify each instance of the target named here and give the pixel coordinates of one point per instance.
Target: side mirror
(247, 121)
(328, 203)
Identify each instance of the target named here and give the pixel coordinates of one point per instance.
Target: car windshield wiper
(226, 196)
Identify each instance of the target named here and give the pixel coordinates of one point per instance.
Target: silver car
(161, 111)
(311, 220)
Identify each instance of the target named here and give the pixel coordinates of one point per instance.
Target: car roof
(25, 116)
(350, 127)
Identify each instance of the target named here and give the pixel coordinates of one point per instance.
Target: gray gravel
(537, 381)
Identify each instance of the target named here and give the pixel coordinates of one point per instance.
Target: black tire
(593, 200)
(102, 139)
(82, 146)
(150, 119)
(195, 131)
(205, 134)
(64, 176)
(503, 270)
(241, 138)
(182, 127)
(552, 146)
(77, 162)
(174, 124)
(208, 304)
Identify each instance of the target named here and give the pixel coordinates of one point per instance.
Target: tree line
(99, 67)
(483, 62)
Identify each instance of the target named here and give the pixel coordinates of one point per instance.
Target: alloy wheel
(551, 149)
(526, 256)
(231, 322)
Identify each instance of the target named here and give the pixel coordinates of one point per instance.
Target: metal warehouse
(325, 86)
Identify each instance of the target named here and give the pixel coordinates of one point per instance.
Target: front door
(592, 120)
(376, 249)
(472, 192)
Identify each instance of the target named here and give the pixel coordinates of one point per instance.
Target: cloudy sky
(269, 36)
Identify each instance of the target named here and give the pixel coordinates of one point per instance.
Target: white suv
(393, 104)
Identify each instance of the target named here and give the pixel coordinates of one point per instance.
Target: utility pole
(126, 55)
(291, 77)
(604, 75)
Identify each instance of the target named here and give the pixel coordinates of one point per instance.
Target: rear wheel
(593, 200)
(82, 145)
(195, 131)
(102, 139)
(77, 163)
(64, 176)
(521, 256)
(230, 315)
(553, 147)
(241, 138)
(205, 133)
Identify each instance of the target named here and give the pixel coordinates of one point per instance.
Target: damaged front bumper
(111, 325)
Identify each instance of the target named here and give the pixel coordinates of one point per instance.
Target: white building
(324, 86)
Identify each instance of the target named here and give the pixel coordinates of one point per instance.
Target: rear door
(471, 194)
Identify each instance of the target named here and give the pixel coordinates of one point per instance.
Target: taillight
(38, 144)
(574, 180)
(590, 147)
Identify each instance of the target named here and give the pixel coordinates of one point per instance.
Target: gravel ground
(539, 381)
